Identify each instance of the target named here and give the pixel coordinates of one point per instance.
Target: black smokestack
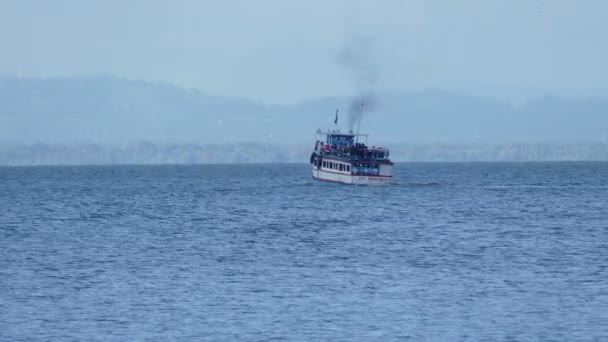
(356, 56)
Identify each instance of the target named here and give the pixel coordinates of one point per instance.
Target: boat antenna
(360, 117)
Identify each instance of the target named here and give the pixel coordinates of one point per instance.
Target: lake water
(455, 251)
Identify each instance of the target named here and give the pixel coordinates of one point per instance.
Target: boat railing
(356, 154)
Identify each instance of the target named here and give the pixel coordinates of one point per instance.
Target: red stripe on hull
(340, 182)
(352, 175)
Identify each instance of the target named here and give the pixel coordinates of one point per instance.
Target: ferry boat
(340, 158)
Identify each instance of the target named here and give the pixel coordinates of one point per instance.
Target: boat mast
(336, 120)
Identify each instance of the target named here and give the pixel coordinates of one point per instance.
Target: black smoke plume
(356, 56)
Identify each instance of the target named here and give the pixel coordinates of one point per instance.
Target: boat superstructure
(341, 158)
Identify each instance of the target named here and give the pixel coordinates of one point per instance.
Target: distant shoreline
(294, 163)
(262, 153)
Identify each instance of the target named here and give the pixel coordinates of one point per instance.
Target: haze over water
(457, 251)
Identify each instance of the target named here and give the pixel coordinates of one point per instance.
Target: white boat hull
(347, 178)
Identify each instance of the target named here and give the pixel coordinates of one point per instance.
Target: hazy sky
(282, 51)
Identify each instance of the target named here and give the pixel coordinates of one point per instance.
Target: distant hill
(114, 111)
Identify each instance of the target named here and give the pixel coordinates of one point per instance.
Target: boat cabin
(347, 145)
(340, 140)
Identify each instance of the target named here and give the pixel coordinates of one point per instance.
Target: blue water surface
(455, 251)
